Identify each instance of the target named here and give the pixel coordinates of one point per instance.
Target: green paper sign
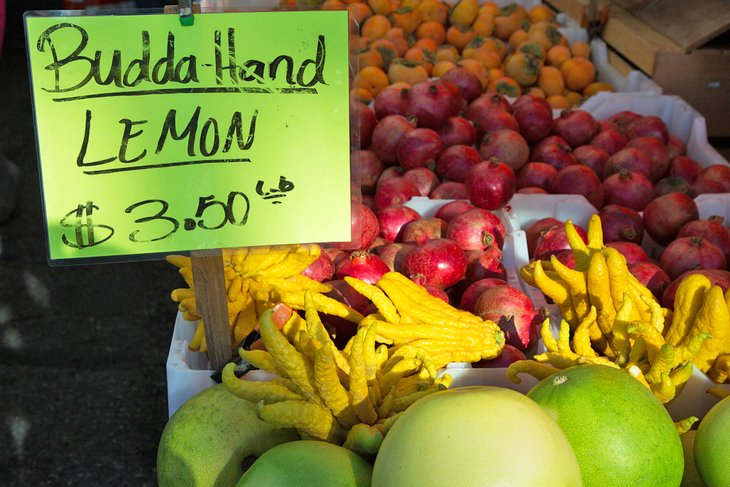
(155, 137)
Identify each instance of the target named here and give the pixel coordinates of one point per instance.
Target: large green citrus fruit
(308, 463)
(475, 436)
(208, 438)
(712, 445)
(620, 432)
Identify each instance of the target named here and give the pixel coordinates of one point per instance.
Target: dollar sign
(84, 227)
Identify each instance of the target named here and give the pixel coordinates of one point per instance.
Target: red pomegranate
(393, 254)
(424, 229)
(536, 228)
(577, 127)
(482, 264)
(394, 191)
(513, 312)
(657, 153)
(629, 158)
(676, 146)
(535, 174)
(439, 262)
(457, 130)
(364, 228)
(666, 215)
(387, 134)
(392, 219)
(423, 178)
(593, 157)
(449, 190)
(717, 277)
(476, 229)
(431, 103)
(689, 253)
(553, 240)
(632, 251)
(652, 276)
(506, 145)
(322, 269)
(490, 184)
(419, 147)
(369, 166)
(455, 162)
(649, 125)
(684, 167)
(450, 210)
(392, 100)
(610, 140)
(620, 223)
(362, 124)
(363, 265)
(581, 180)
(535, 120)
(628, 188)
(712, 229)
(716, 172)
(474, 290)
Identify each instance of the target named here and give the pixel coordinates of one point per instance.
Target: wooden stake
(211, 301)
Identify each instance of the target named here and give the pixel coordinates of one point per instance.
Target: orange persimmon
(458, 36)
(371, 78)
(407, 18)
(557, 54)
(580, 49)
(409, 72)
(432, 29)
(433, 10)
(550, 80)
(464, 12)
(558, 102)
(382, 7)
(506, 86)
(375, 26)
(578, 72)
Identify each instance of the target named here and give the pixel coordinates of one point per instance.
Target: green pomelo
(690, 478)
(207, 440)
(308, 463)
(712, 445)
(620, 432)
(475, 436)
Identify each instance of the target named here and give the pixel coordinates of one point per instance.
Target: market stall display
(471, 125)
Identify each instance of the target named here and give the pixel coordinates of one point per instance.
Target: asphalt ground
(82, 348)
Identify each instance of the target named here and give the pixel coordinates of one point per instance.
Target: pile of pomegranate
(444, 138)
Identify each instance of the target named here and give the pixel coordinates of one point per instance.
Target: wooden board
(635, 40)
(212, 305)
(689, 24)
(617, 61)
(702, 79)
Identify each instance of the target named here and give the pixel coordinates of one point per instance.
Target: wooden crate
(683, 46)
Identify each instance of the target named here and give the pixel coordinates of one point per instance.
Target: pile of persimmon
(511, 49)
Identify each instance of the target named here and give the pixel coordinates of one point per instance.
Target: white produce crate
(681, 119)
(189, 372)
(527, 209)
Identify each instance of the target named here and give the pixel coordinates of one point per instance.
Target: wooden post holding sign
(159, 136)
